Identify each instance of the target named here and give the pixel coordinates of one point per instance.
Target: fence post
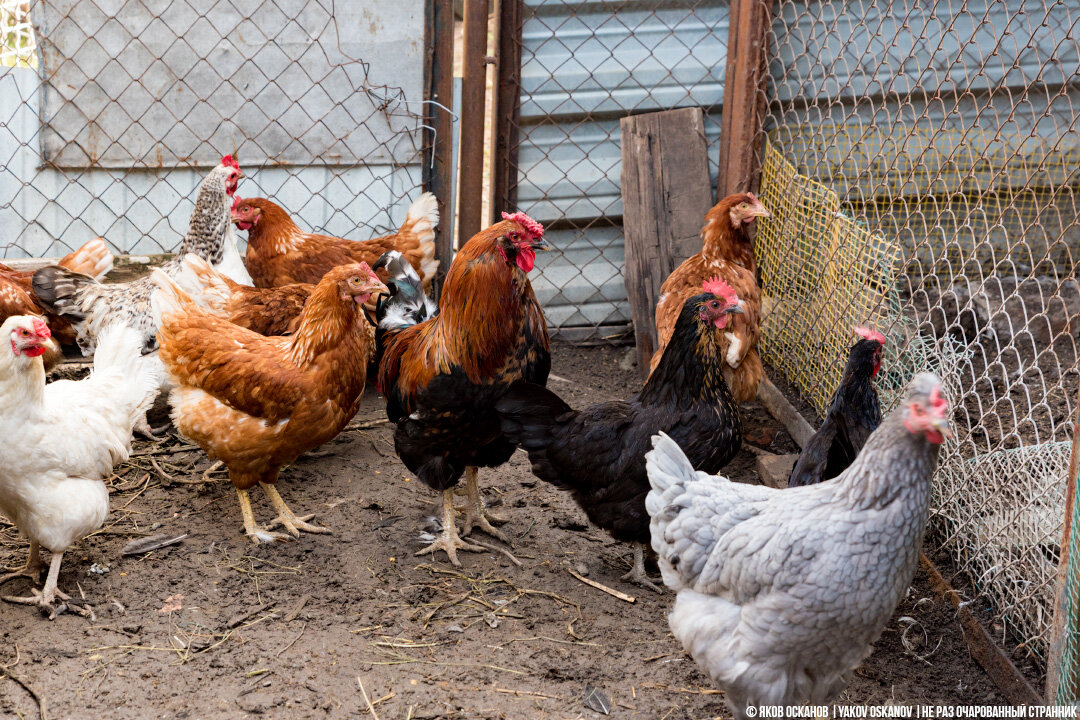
(744, 96)
(473, 91)
(1060, 626)
(437, 172)
(508, 107)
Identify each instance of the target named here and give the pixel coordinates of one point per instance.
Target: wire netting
(114, 110)
(921, 162)
(585, 65)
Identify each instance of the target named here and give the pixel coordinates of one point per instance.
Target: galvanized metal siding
(584, 66)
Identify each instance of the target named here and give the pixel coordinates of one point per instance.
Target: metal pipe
(473, 91)
(438, 174)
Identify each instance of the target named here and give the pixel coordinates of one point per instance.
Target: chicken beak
(540, 244)
(943, 426)
(760, 211)
(735, 310)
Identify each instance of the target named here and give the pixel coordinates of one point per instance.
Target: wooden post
(744, 96)
(508, 107)
(665, 193)
(438, 175)
(473, 91)
(1060, 624)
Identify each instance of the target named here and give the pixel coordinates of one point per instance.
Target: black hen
(853, 414)
(599, 453)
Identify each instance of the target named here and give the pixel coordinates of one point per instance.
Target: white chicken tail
(421, 221)
(205, 285)
(168, 297)
(669, 471)
(130, 380)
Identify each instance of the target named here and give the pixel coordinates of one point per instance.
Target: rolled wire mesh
(134, 100)
(922, 164)
(583, 67)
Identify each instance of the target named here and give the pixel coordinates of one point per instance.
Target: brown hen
(257, 403)
(280, 253)
(727, 253)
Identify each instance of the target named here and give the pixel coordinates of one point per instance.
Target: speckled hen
(780, 593)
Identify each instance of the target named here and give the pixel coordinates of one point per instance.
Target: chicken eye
(714, 303)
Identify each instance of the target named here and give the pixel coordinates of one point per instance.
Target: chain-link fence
(132, 101)
(921, 161)
(585, 65)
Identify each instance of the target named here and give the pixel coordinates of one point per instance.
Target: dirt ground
(215, 627)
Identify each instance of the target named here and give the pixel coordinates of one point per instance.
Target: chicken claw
(46, 597)
(258, 534)
(476, 515)
(31, 570)
(637, 574)
(448, 539)
(287, 519)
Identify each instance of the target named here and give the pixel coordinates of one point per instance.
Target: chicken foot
(47, 596)
(32, 568)
(448, 539)
(257, 533)
(292, 523)
(476, 515)
(638, 574)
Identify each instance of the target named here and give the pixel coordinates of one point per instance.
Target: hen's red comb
(230, 161)
(41, 329)
(531, 226)
(869, 334)
(718, 287)
(236, 201)
(937, 402)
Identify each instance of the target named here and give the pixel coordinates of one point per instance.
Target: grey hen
(91, 306)
(780, 593)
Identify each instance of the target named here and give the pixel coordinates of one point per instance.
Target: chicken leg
(257, 533)
(638, 574)
(46, 597)
(476, 516)
(448, 539)
(292, 523)
(31, 570)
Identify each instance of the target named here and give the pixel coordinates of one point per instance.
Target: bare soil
(215, 627)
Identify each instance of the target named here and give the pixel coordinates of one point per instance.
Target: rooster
(62, 439)
(780, 593)
(280, 253)
(853, 414)
(17, 295)
(442, 377)
(257, 403)
(726, 252)
(91, 306)
(599, 453)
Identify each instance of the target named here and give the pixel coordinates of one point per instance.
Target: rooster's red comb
(531, 226)
(870, 334)
(721, 289)
(230, 161)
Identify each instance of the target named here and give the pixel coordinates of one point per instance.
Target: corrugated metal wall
(585, 65)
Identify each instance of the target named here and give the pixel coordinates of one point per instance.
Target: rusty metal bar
(473, 91)
(1060, 624)
(438, 175)
(744, 96)
(508, 107)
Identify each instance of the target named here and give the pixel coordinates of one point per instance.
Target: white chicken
(780, 593)
(62, 439)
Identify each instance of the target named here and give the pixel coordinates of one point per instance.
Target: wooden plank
(744, 96)
(473, 92)
(438, 176)
(665, 193)
(508, 108)
(1060, 624)
(1013, 685)
(779, 407)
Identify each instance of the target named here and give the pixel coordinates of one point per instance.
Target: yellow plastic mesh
(822, 273)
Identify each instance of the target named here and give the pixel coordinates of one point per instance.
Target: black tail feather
(58, 289)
